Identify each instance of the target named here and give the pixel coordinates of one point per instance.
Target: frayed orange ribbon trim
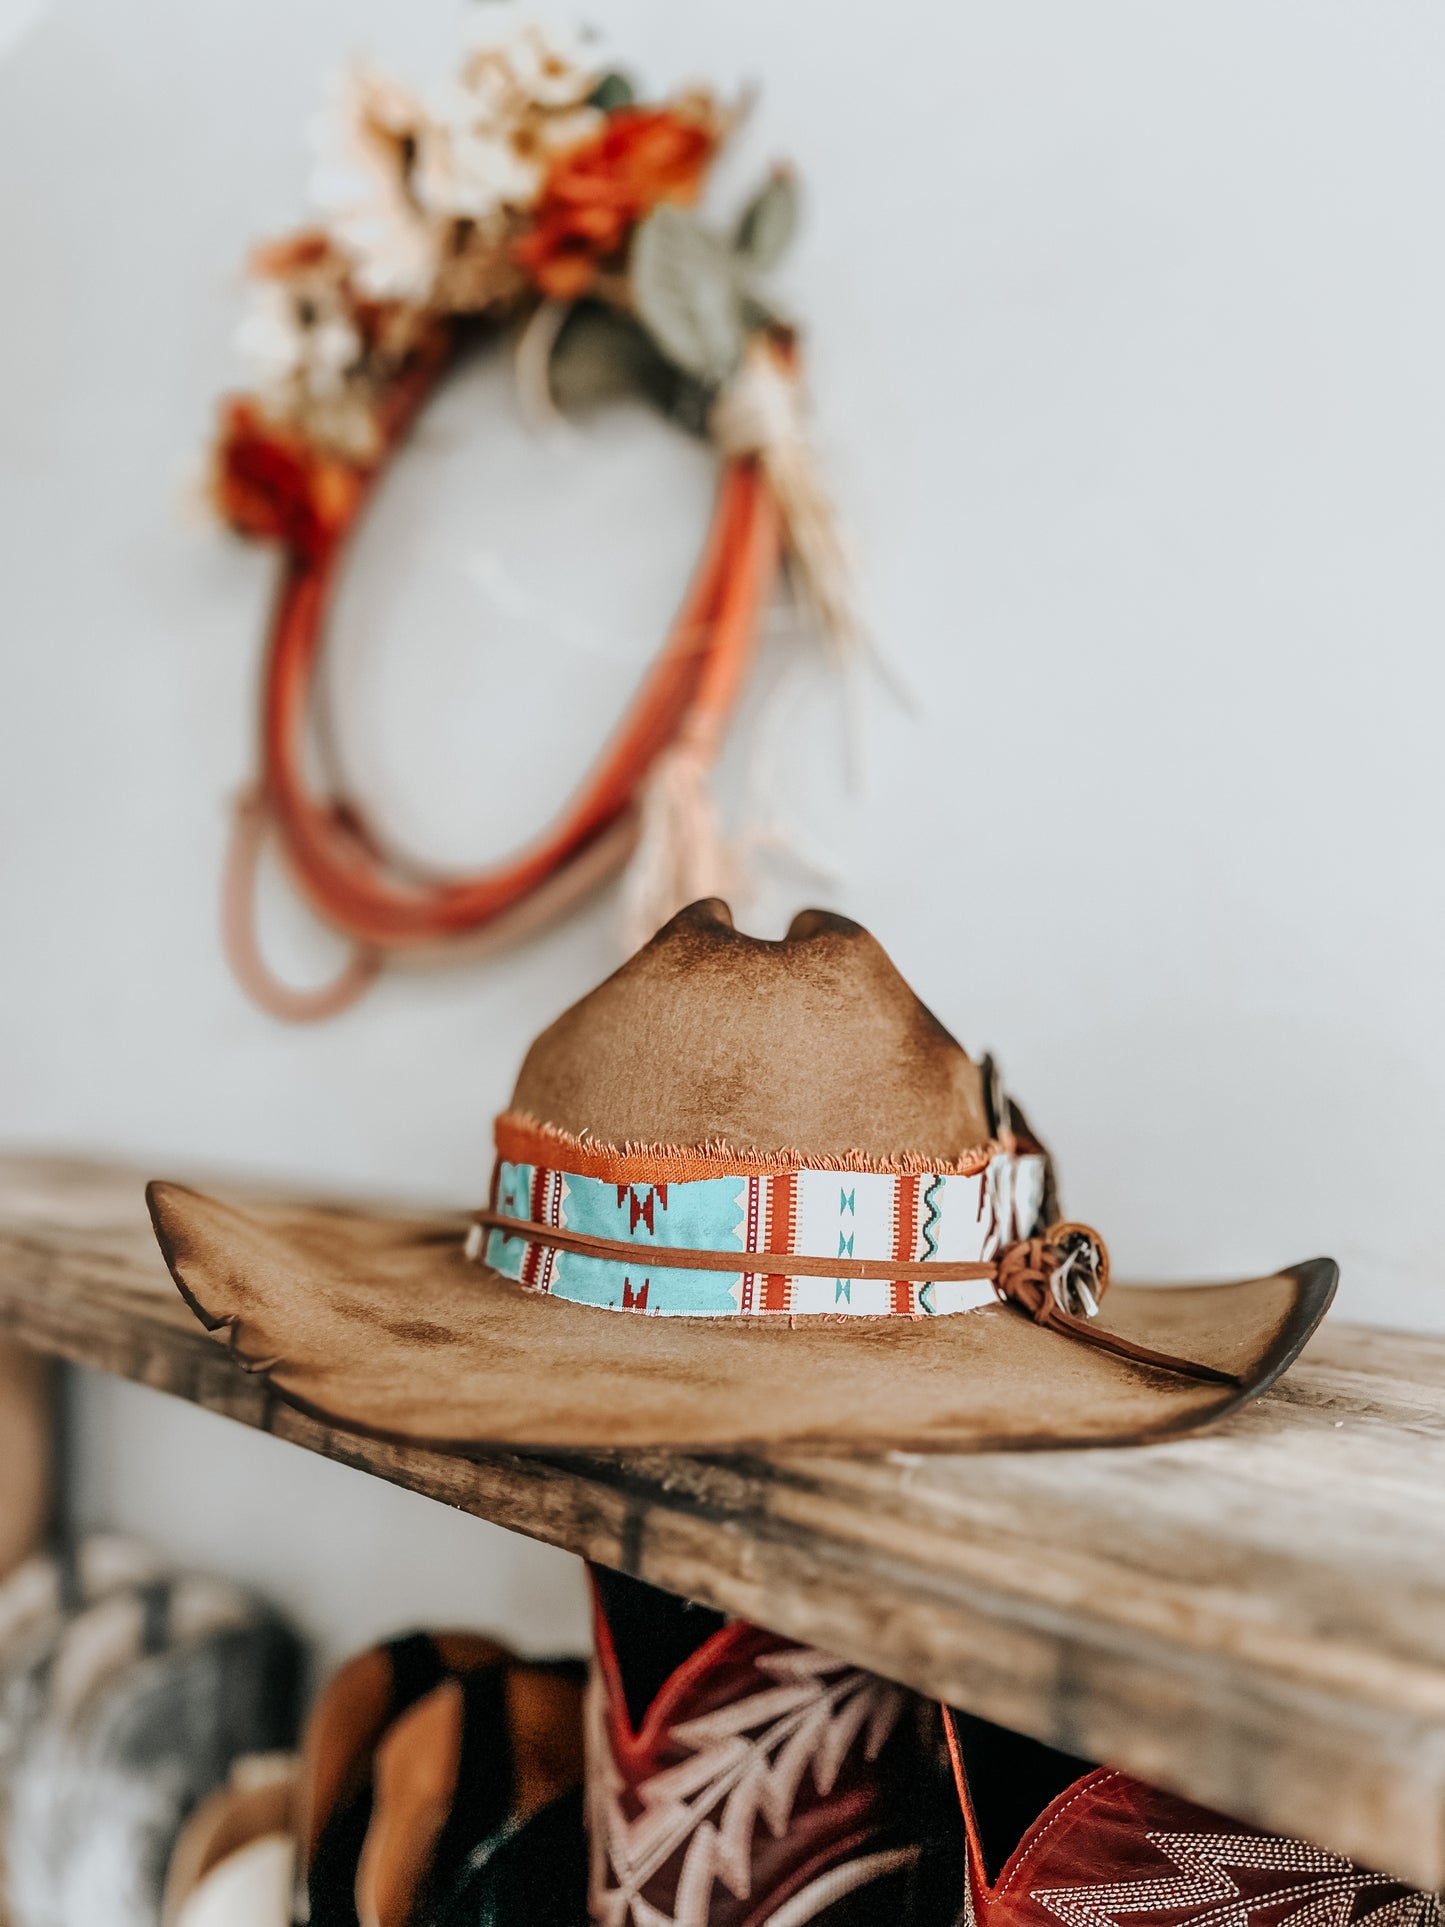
(526, 1140)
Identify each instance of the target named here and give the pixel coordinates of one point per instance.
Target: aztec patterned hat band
(845, 1219)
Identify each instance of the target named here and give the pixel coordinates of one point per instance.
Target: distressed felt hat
(746, 1192)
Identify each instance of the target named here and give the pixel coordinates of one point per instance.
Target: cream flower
(289, 337)
(368, 145)
(269, 341)
(531, 64)
(557, 132)
(470, 166)
(519, 100)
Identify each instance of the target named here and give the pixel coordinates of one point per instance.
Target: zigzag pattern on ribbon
(930, 1199)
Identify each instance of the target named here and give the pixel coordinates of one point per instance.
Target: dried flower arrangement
(536, 190)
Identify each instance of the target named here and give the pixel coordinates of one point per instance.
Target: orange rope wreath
(298, 464)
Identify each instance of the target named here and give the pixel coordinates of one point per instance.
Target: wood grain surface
(1254, 1618)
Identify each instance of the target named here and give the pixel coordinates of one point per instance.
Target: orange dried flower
(597, 193)
(274, 486)
(298, 253)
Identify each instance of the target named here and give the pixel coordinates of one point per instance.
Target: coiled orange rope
(342, 868)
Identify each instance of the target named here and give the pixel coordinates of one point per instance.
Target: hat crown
(814, 1044)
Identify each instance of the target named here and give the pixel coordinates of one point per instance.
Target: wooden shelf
(1254, 1618)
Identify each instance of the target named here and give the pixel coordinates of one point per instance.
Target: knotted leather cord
(377, 900)
(1022, 1276)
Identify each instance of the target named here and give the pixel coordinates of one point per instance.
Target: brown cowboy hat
(843, 1230)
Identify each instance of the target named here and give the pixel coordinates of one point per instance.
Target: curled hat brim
(376, 1323)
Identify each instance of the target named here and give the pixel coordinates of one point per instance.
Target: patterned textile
(912, 1216)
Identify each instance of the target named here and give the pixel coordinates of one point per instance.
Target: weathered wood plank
(1255, 1618)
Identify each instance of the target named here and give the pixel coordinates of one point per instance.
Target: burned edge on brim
(1316, 1278)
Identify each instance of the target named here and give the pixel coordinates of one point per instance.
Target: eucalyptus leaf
(599, 356)
(760, 316)
(612, 91)
(602, 356)
(688, 289)
(769, 221)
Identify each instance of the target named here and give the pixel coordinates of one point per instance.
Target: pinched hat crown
(814, 1045)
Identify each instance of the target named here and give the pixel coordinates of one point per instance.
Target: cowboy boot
(1053, 1842)
(736, 1779)
(477, 1815)
(435, 1786)
(358, 1707)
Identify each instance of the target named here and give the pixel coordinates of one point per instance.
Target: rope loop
(250, 823)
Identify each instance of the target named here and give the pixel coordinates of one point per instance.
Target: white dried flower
(532, 65)
(268, 340)
(519, 100)
(557, 132)
(469, 168)
(368, 144)
(302, 338)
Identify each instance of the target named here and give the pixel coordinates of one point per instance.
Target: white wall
(1125, 335)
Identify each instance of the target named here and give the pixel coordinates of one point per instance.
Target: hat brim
(378, 1324)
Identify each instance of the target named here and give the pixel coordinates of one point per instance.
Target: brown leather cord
(1023, 1276)
(1024, 1279)
(776, 1264)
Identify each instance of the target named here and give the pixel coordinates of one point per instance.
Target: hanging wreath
(537, 192)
